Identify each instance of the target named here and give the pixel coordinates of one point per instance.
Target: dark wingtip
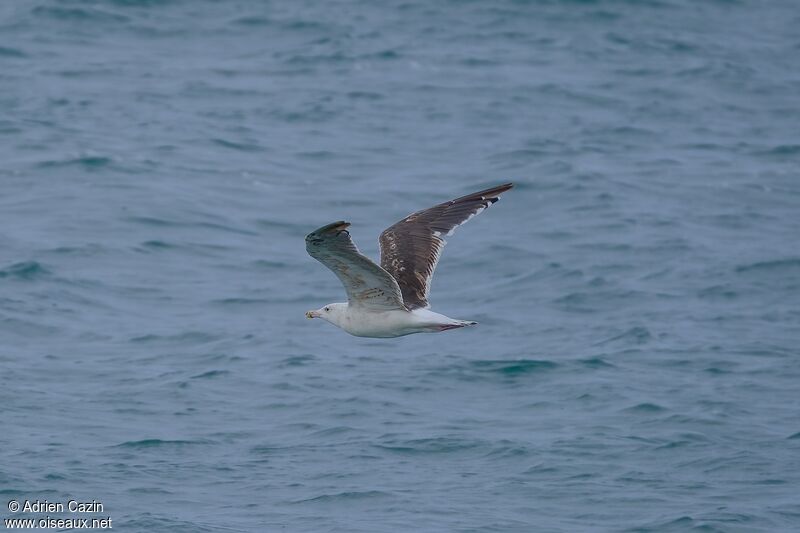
(334, 227)
(494, 193)
(491, 195)
(339, 225)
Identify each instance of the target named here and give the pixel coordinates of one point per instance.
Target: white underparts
(363, 322)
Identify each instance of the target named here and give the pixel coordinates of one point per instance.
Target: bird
(391, 300)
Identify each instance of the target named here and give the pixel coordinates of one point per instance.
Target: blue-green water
(636, 367)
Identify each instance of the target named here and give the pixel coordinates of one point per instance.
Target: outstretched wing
(410, 249)
(367, 284)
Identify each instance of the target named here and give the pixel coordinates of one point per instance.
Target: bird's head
(331, 313)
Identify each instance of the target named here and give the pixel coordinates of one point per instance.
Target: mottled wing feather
(410, 249)
(367, 284)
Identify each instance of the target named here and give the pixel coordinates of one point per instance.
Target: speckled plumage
(391, 300)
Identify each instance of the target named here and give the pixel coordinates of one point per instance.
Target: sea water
(636, 365)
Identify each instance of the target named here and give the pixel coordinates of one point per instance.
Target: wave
(26, 270)
(159, 443)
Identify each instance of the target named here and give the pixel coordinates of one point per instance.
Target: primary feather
(410, 249)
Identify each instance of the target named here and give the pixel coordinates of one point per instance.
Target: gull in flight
(391, 300)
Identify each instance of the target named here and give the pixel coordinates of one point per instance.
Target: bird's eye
(327, 308)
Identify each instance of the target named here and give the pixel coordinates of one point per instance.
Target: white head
(333, 313)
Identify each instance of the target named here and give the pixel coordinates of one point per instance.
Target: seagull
(391, 300)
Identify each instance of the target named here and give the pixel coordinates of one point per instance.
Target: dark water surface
(637, 363)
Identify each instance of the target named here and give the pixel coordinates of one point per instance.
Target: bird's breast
(383, 324)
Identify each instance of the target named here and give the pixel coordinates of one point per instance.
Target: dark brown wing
(367, 284)
(410, 249)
